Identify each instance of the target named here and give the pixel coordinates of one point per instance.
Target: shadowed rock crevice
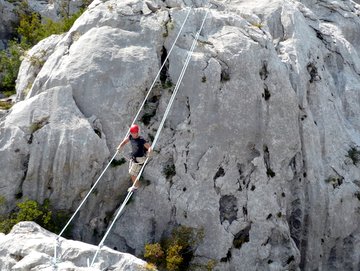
(25, 167)
(150, 108)
(227, 258)
(264, 73)
(312, 70)
(241, 237)
(269, 172)
(228, 208)
(164, 72)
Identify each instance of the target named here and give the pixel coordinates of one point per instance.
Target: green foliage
(31, 29)
(10, 61)
(167, 84)
(30, 210)
(258, 25)
(175, 252)
(37, 125)
(187, 237)
(174, 257)
(150, 267)
(5, 105)
(154, 253)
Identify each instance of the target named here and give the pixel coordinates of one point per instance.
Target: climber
(140, 150)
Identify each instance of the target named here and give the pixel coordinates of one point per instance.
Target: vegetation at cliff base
(31, 210)
(175, 252)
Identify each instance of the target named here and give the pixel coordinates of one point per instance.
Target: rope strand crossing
(130, 193)
(57, 241)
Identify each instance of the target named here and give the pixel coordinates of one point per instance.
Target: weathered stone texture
(259, 134)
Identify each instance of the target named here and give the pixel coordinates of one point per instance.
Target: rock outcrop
(30, 247)
(263, 138)
(53, 9)
(7, 21)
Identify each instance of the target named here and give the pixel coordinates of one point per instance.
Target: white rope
(127, 134)
(158, 74)
(130, 193)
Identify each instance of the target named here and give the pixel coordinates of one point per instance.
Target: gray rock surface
(259, 133)
(30, 247)
(7, 21)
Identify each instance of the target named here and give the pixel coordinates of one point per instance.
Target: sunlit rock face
(262, 139)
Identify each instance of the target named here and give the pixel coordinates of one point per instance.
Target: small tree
(154, 253)
(174, 257)
(30, 210)
(175, 252)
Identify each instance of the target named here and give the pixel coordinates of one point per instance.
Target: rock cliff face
(263, 137)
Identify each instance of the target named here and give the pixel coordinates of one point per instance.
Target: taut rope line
(57, 242)
(130, 193)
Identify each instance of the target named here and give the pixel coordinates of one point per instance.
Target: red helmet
(134, 129)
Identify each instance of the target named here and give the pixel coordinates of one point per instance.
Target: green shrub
(10, 61)
(31, 210)
(174, 257)
(154, 253)
(175, 252)
(5, 105)
(37, 125)
(31, 29)
(150, 267)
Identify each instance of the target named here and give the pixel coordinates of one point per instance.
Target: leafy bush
(150, 267)
(5, 105)
(175, 252)
(31, 29)
(174, 257)
(154, 253)
(10, 64)
(31, 210)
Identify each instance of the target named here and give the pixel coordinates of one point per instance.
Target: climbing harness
(57, 241)
(130, 193)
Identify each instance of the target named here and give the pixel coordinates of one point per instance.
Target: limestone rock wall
(258, 137)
